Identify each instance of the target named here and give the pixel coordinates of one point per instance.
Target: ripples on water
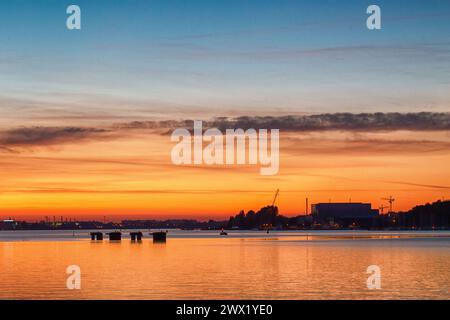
(243, 265)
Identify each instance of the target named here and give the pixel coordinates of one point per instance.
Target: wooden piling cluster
(160, 236)
(115, 236)
(96, 236)
(136, 236)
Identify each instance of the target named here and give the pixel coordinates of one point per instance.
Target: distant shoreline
(330, 216)
(238, 230)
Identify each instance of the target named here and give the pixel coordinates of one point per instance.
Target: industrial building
(345, 213)
(8, 224)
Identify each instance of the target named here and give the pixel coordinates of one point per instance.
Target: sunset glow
(74, 104)
(131, 176)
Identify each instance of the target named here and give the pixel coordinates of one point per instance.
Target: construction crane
(382, 208)
(391, 201)
(276, 196)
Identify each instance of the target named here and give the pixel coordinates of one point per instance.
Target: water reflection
(202, 267)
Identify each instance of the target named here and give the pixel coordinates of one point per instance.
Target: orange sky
(130, 175)
(64, 92)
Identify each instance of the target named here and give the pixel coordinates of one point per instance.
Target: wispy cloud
(47, 135)
(363, 146)
(422, 121)
(429, 186)
(299, 27)
(347, 122)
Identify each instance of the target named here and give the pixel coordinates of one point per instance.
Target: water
(243, 265)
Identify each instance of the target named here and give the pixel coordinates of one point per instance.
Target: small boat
(223, 233)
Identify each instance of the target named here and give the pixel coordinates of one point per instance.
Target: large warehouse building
(357, 210)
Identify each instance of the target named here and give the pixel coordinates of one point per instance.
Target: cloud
(363, 146)
(304, 26)
(38, 136)
(346, 122)
(419, 185)
(429, 49)
(422, 121)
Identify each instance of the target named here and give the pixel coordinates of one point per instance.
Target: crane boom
(276, 196)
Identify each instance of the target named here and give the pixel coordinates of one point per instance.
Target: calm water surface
(243, 265)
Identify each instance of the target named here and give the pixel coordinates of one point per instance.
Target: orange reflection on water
(226, 268)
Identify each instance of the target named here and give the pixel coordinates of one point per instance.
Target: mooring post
(136, 236)
(159, 236)
(116, 236)
(96, 236)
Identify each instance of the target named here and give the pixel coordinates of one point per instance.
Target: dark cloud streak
(33, 136)
(363, 122)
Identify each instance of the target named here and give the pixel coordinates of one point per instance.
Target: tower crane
(391, 201)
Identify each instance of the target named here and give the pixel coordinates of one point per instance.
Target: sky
(178, 60)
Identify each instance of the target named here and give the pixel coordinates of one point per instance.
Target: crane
(391, 201)
(276, 196)
(382, 208)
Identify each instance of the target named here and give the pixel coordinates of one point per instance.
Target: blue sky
(135, 59)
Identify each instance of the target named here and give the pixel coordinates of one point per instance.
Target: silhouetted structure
(344, 214)
(426, 217)
(159, 236)
(47, 224)
(136, 236)
(115, 236)
(96, 236)
(321, 211)
(8, 224)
